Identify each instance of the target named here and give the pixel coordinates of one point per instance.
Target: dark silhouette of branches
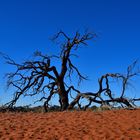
(40, 76)
(106, 89)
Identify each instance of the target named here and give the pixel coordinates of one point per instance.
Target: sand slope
(107, 125)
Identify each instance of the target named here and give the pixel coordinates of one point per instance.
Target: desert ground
(74, 125)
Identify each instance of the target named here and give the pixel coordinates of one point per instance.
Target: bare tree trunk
(64, 101)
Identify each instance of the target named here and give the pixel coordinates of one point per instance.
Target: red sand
(107, 125)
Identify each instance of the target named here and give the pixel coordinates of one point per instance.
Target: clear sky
(27, 25)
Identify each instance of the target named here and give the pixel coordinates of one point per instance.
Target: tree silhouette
(37, 76)
(30, 76)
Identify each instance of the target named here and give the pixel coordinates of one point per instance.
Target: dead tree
(104, 88)
(41, 76)
(37, 76)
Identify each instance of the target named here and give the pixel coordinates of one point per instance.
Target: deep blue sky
(26, 26)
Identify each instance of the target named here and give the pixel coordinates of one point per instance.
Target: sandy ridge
(89, 125)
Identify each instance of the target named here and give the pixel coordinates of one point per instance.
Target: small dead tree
(104, 88)
(41, 76)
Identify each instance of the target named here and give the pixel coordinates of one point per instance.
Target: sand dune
(89, 125)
